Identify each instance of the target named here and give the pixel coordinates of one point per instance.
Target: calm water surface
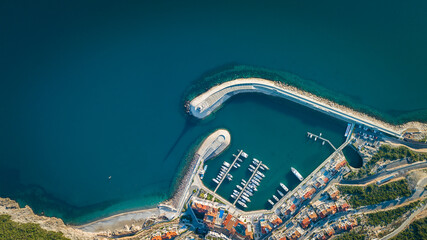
(91, 90)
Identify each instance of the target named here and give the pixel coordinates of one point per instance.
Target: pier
(228, 170)
(247, 183)
(309, 134)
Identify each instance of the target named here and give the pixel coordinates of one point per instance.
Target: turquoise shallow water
(91, 90)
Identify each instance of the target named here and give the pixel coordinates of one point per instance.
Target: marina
(225, 169)
(249, 186)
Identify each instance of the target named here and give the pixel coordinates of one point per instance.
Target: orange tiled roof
(333, 209)
(310, 192)
(339, 165)
(344, 207)
(226, 220)
(293, 207)
(156, 238)
(263, 229)
(335, 195)
(248, 234)
(305, 222)
(200, 207)
(276, 221)
(169, 235)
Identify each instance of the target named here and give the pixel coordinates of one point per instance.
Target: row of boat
(297, 174)
(225, 168)
(248, 188)
(223, 172)
(280, 193)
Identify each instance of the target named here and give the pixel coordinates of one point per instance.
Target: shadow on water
(188, 124)
(353, 158)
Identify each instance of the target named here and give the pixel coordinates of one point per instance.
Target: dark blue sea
(92, 89)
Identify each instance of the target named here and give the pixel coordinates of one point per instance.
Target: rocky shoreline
(422, 127)
(180, 190)
(26, 215)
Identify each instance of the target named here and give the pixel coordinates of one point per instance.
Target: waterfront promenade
(309, 177)
(206, 103)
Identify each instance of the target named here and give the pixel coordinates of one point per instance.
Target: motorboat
(242, 204)
(297, 174)
(284, 187)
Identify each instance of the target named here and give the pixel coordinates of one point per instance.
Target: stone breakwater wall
(206, 103)
(180, 191)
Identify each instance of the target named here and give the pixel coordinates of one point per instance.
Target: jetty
(309, 134)
(247, 182)
(207, 102)
(228, 170)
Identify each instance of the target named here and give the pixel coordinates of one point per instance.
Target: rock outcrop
(26, 215)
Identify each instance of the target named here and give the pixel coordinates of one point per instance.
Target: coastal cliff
(26, 215)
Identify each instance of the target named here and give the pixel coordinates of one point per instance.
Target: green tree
(10, 230)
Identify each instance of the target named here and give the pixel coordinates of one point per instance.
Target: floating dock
(310, 135)
(228, 170)
(247, 183)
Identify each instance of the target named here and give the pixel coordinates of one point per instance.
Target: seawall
(209, 101)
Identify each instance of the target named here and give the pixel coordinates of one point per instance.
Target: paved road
(414, 145)
(381, 206)
(406, 168)
(404, 224)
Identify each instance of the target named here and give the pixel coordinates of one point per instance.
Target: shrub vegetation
(384, 218)
(16, 231)
(352, 235)
(416, 230)
(373, 194)
(387, 152)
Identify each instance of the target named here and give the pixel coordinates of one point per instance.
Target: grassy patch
(210, 197)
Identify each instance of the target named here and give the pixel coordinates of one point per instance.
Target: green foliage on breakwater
(386, 152)
(416, 230)
(234, 71)
(13, 230)
(384, 218)
(373, 194)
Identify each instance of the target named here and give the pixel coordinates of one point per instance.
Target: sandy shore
(206, 103)
(119, 221)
